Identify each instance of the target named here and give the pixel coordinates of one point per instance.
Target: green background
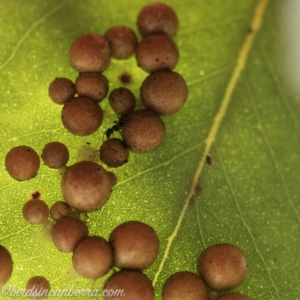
(249, 196)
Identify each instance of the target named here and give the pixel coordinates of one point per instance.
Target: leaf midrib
(242, 57)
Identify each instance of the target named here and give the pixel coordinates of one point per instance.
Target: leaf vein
(212, 25)
(199, 225)
(281, 92)
(33, 26)
(274, 158)
(15, 233)
(141, 173)
(33, 133)
(240, 64)
(211, 75)
(234, 196)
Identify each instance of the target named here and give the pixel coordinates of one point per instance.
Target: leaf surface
(239, 112)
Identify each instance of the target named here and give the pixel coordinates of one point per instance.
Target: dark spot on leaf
(125, 78)
(192, 200)
(250, 30)
(35, 195)
(209, 159)
(196, 191)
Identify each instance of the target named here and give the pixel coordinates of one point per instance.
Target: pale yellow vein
(200, 225)
(151, 187)
(33, 26)
(216, 217)
(160, 165)
(241, 61)
(99, 217)
(281, 92)
(215, 24)
(14, 233)
(274, 158)
(244, 221)
(35, 133)
(211, 75)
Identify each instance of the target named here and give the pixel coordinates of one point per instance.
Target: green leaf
(244, 118)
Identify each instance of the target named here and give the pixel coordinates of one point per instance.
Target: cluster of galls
(85, 185)
(162, 93)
